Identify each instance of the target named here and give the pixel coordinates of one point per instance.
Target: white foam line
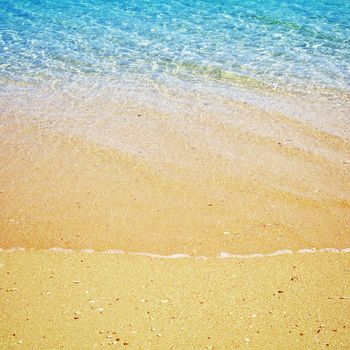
(89, 251)
(15, 249)
(224, 255)
(173, 256)
(330, 250)
(221, 255)
(60, 250)
(280, 252)
(306, 250)
(113, 251)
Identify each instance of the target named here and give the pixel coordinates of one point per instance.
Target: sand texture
(242, 180)
(101, 301)
(197, 181)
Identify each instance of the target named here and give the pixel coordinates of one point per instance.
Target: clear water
(106, 70)
(273, 42)
(91, 51)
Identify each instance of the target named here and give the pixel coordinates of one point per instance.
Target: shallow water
(193, 127)
(257, 43)
(222, 46)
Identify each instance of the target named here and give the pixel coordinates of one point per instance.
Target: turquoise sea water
(274, 42)
(224, 45)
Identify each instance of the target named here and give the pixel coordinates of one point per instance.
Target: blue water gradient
(290, 44)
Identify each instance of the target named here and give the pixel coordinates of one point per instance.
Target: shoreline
(250, 233)
(220, 255)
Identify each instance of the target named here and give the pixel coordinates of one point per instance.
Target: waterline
(221, 255)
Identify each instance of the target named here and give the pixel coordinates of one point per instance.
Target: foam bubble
(280, 252)
(113, 251)
(224, 255)
(250, 256)
(307, 250)
(173, 256)
(176, 256)
(60, 250)
(15, 249)
(87, 251)
(330, 250)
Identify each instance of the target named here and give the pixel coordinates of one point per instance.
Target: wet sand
(269, 183)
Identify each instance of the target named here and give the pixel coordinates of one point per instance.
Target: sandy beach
(174, 175)
(100, 301)
(64, 191)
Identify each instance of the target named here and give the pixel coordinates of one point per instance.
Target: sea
(63, 59)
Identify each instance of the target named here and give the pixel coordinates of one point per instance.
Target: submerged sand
(241, 180)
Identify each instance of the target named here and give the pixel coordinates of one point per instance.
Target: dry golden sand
(241, 181)
(101, 301)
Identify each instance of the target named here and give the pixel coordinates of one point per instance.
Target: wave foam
(221, 255)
